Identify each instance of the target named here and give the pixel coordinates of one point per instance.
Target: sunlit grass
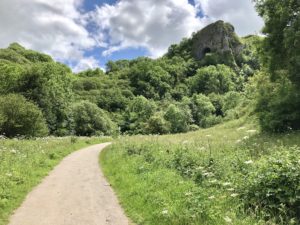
(189, 178)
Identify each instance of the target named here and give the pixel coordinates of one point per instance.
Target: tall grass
(192, 178)
(23, 164)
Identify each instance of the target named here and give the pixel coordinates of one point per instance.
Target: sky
(87, 33)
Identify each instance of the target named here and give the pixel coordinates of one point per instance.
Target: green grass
(24, 163)
(191, 178)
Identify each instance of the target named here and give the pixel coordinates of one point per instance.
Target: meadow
(228, 174)
(24, 163)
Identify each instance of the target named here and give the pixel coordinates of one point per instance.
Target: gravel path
(74, 193)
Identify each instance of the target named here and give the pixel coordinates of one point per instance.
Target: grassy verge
(23, 164)
(193, 178)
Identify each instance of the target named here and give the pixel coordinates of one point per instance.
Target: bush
(19, 117)
(90, 120)
(272, 186)
(137, 115)
(278, 104)
(202, 109)
(213, 79)
(179, 118)
(157, 124)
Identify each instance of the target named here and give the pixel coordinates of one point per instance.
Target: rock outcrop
(218, 37)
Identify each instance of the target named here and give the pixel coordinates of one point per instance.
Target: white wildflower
(248, 162)
(211, 197)
(188, 194)
(230, 189)
(234, 195)
(245, 138)
(213, 181)
(14, 151)
(251, 131)
(227, 219)
(165, 212)
(238, 141)
(226, 184)
(202, 149)
(185, 142)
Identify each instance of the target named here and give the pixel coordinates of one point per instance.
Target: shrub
(272, 186)
(278, 104)
(213, 79)
(157, 124)
(179, 118)
(90, 120)
(137, 114)
(202, 109)
(20, 117)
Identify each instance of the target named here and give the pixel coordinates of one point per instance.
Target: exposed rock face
(218, 37)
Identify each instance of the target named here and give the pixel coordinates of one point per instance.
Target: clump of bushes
(271, 187)
(19, 117)
(90, 120)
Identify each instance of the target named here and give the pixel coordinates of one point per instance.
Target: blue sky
(128, 53)
(87, 33)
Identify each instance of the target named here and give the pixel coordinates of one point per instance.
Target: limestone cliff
(218, 37)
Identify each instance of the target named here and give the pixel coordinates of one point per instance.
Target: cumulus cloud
(240, 13)
(142, 23)
(55, 27)
(86, 63)
(59, 27)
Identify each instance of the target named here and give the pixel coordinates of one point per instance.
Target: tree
(278, 104)
(49, 85)
(179, 118)
(202, 110)
(90, 120)
(157, 124)
(213, 79)
(10, 74)
(281, 47)
(137, 115)
(149, 79)
(19, 117)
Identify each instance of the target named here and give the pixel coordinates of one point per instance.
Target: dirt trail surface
(74, 193)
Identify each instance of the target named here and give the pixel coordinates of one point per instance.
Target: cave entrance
(206, 50)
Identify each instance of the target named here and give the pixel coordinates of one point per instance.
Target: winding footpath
(74, 193)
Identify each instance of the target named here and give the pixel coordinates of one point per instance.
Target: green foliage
(281, 54)
(10, 74)
(92, 73)
(272, 186)
(19, 117)
(277, 104)
(157, 124)
(137, 114)
(149, 79)
(90, 120)
(179, 118)
(213, 79)
(202, 110)
(50, 86)
(108, 93)
(281, 47)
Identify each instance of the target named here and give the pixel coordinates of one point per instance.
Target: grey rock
(218, 37)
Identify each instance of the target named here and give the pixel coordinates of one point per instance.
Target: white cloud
(240, 13)
(142, 23)
(58, 27)
(55, 27)
(86, 63)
